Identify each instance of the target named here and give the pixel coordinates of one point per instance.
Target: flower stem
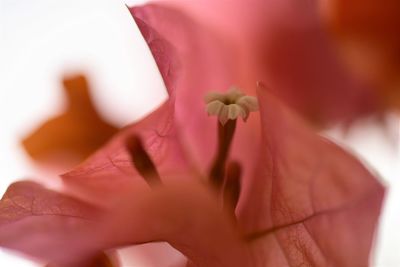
(225, 137)
(231, 191)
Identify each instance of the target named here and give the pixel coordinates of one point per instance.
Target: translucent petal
(235, 111)
(215, 107)
(224, 115)
(234, 94)
(248, 102)
(212, 96)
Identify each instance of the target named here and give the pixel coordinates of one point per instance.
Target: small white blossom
(231, 105)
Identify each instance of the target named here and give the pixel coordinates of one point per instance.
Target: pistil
(142, 161)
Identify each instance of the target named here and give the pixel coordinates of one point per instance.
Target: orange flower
(369, 35)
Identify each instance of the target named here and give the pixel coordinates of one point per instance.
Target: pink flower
(277, 194)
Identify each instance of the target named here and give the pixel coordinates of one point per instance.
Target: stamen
(142, 161)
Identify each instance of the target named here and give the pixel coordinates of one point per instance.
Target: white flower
(231, 105)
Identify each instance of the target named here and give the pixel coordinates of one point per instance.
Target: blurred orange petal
(72, 136)
(369, 35)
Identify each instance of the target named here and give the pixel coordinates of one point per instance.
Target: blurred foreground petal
(47, 225)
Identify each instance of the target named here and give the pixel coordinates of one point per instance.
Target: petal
(368, 32)
(248, 102)
(224, 115)
(212, 96)
(215, 107)
(234, 111)
(43, 224)
(234, 93)
(309, 201)
(69, 138)
(186, 215)
(111, 171)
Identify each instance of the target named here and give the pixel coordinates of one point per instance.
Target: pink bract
(303, 200)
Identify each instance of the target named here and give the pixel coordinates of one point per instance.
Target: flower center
(231, 105)
(227, 107)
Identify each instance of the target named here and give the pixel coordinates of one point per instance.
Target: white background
(41, 40)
